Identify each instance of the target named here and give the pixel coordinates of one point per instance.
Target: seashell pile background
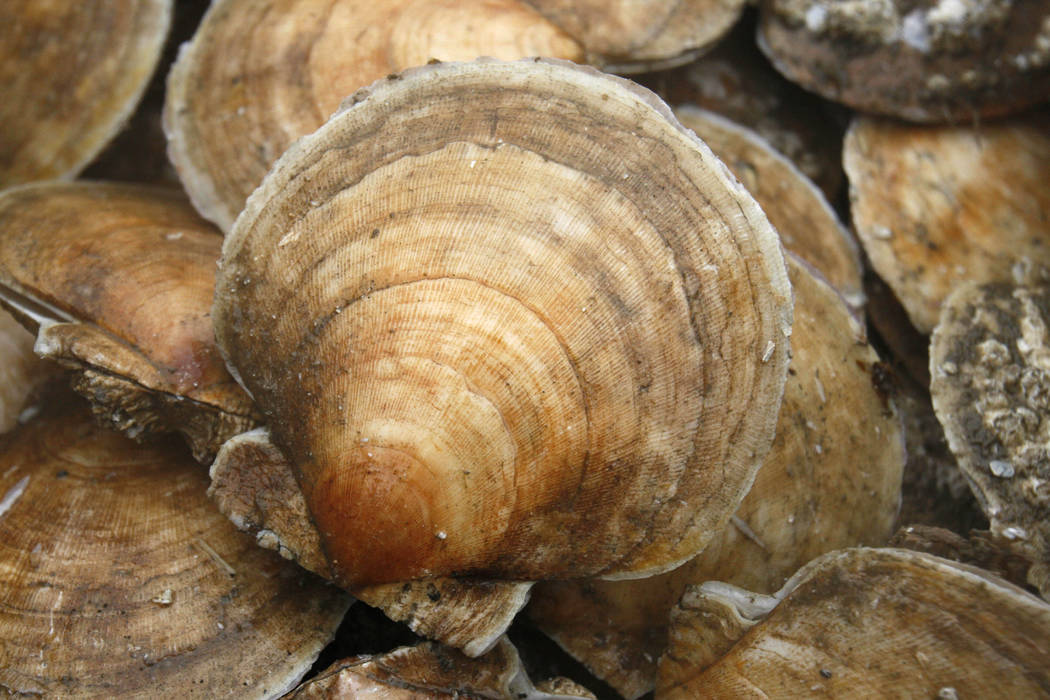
(525, 348)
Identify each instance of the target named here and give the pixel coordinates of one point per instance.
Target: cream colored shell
(525, 325)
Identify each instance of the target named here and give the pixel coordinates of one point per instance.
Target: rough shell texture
(831, 480)
(258, 75)
(254, 486)
(72, 73)
(118, 279)
(868, 623)
(925, 61)
(935, 206)
(120, 579)
(431, 671)
(629, 36)
(807, 224)
(514, 342)
(990, 369)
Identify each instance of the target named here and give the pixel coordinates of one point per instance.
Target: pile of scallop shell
(416, 306)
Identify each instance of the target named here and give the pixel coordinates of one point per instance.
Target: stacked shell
(509, 320)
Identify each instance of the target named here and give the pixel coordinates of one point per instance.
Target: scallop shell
(121, 579)
(525, 325)
(938, 206)
(863, 623)
(72, 74)
(260, 74)
(117, 280)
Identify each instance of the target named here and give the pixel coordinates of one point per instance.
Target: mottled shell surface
(511, 320)
(630, 36)
(937, 61)
(259, 75)
(866, 623)
(72, 74)
(990, 383)
(832, 479)
(118, 281)
(121, 579)
(938, 206)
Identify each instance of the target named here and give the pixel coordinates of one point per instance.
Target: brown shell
(121, 579)
(559, 356)
(630, 36)
(865, 623)
(926, 61)
(990, 369)
(261, 73)
(432, 671)
(254, 486)
(72, 74)
(807, 224)
(831, 480)
(118, 279)
(936, 206)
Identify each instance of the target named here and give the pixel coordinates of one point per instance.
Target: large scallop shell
(509, 320)
(72, 74)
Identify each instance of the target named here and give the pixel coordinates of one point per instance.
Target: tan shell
(864, 623)
(120, 579)
(260, 74)
(560, 356)
(831, 480)
(927, 61)
(736, 81)
(72, 74)
(990, 369)
(935, 206)
(432, 671)
(807, 224)
(118, 279)
(255, 487)
(21, 371)
(630, 36)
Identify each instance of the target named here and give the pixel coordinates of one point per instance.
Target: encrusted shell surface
(832, 479)
(863, 623)
(260, 74)
(925, 61)
(990, 382)
(938, 206)
(119, 578)
(117, 280)
(72, 74)
(525, 325)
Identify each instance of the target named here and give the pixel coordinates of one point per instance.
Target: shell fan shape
(525, 326)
